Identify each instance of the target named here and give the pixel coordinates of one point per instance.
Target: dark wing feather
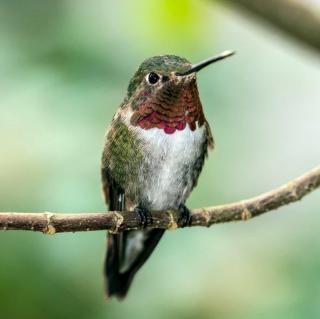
(117, 282)
(114, 195)
(210, 140)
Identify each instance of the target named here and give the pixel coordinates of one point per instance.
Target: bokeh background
(64, 69)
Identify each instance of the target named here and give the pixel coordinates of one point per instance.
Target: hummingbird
(153, 154)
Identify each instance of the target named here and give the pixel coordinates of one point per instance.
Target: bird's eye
(153, 78)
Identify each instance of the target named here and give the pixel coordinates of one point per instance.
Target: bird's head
(163, 93)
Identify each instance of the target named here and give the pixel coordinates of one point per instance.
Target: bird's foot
(145, 217)
(185, 216)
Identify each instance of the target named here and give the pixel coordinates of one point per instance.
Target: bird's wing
(128, 250)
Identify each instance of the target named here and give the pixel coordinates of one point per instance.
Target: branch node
(206, 216)
(118, 220)
(292, 186)
(246, 214)
(172, 223)
(49, 229)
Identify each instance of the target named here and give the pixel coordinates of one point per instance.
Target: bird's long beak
(197, 67)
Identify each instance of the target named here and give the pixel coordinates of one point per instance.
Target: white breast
(170, 158)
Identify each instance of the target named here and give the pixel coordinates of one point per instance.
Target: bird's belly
(168, 171)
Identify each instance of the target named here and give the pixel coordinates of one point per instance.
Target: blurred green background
(64, 69)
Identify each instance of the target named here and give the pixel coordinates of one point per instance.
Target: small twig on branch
(49, 223)
(298, 18)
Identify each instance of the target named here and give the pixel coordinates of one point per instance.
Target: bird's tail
(118, 281)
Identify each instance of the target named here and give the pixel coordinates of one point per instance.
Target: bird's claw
(145, 217)
(185, 216)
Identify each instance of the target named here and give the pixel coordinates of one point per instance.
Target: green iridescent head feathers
(163, 64)
(166, 64)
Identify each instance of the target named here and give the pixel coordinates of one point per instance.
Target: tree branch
(50, 223)
(298, 18)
